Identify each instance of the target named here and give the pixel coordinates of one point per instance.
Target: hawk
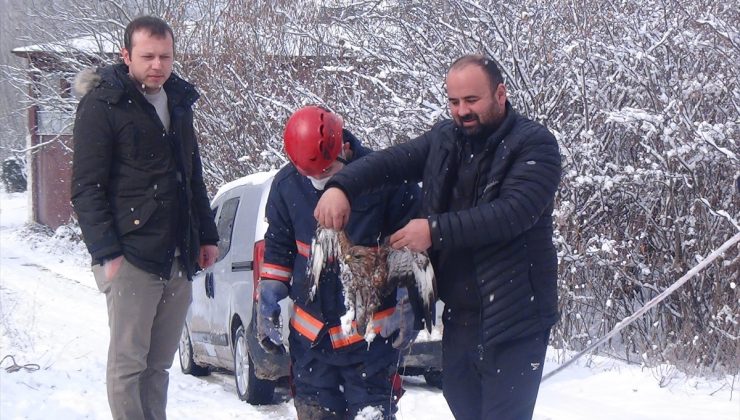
(368, 274)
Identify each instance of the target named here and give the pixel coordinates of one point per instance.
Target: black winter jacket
(509, 228)
(138, 189)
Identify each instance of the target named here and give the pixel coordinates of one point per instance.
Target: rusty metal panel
(53, 172)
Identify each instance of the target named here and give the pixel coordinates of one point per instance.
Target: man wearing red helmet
(336, 375)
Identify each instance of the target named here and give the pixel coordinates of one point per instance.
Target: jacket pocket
(135, 217)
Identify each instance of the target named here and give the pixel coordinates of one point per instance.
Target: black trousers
(493, 383)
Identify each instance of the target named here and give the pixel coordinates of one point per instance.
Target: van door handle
(209, 285)
(242, 266)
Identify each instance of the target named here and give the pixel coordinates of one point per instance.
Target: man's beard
(481, 131)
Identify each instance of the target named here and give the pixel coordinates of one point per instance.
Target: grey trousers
(146, 315)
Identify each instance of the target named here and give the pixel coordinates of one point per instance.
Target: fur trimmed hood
(113, 82)
(85, 81)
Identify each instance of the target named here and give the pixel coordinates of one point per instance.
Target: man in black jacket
(489, 180)
(138, 191)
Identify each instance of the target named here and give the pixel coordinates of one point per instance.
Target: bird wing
(407, 268)
(326, 248)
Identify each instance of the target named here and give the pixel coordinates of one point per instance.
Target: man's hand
(269, 327)
(415, 236)
(111, 267)
(332, 210)
(207, 256)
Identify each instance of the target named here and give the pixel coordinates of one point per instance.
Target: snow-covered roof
(292, 44)
(91, 44)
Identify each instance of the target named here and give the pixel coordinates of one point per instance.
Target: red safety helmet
(313, 139)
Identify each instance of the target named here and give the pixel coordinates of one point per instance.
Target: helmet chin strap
(320, 184)
(345, 155)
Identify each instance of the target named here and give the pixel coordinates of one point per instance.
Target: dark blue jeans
(501, 382)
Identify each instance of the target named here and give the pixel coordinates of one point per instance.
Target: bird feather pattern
(368, 274)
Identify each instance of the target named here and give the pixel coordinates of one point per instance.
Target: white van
(219, 332)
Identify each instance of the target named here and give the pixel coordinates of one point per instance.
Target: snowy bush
(13, 174)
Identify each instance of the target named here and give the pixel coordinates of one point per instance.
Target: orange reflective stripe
(384, 314)
(275, 272)
(305, 324)
(303, 248)
(300, 327)
(339, 339)
(310, 327)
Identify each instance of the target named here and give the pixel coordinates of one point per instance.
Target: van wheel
(433, 378)
(249, 387)
(185, 349)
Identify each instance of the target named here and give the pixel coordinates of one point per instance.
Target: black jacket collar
(493, 140)
(115, 82)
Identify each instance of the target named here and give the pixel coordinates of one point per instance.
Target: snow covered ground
(51, 314)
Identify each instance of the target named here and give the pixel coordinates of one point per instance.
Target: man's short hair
(488, 65)
(153, 25)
